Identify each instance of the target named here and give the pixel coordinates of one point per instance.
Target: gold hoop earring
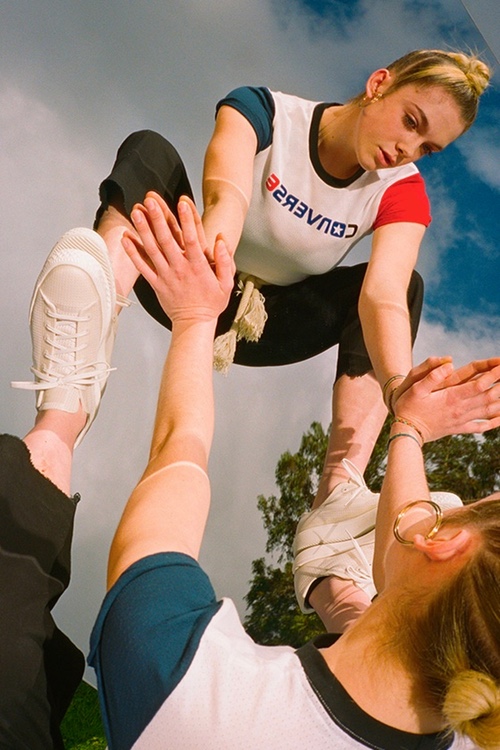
(432, 533)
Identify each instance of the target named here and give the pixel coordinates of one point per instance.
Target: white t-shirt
(302, 221)
(176, 670)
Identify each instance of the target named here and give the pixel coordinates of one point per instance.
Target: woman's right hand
(174, 261)
(440, 400)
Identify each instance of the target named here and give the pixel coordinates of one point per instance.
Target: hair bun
(472, 706)
(477, 72)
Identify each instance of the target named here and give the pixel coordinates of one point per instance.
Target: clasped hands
(440, 400)
(191, 282)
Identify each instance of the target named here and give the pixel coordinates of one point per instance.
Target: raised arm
(228, 177)
(167, 510)
(437, 401)
(383, 305)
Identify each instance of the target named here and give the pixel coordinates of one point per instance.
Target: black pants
(40, 668)
(304, 319)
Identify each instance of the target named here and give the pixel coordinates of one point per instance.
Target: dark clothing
(40, 667)
(305, 318)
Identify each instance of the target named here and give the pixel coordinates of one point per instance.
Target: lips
(385, 159)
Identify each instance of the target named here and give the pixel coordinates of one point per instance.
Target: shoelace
(356, 477)
(122, 301)
(81, 373)
(365, 570)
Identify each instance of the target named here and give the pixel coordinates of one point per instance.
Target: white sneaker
(338, 538)
(329, 539)
(73, 325)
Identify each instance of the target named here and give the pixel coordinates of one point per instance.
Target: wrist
(389, 389)
(400, 423)
(402, 426)
(187, 321)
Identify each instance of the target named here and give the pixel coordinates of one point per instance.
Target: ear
(378, 82)
(443, 548)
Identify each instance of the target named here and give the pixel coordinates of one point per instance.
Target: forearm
(387, 334)
(168, 508)
(228, 177)
(185, 413)
(384, 299)
(225, 209)
(404, 482)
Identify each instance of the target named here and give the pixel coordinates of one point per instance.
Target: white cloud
(472, 337)
(481, 151)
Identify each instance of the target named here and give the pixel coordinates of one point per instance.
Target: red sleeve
(405, 200)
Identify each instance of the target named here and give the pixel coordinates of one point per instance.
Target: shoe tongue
(67, 330)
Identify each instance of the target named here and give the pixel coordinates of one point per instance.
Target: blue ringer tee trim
(257, 105)
(145, 639)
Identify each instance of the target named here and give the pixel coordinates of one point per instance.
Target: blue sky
(470, 266)
(76, 78)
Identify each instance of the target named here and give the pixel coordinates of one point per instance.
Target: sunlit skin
(399, 128)
(400, 565)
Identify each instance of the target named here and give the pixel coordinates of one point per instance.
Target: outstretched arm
(228, 177)
(438, 401)
(168, 509)
(383, 305)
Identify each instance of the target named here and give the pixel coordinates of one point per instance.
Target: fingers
(169, 215)
(481, 400)
(139, 260)
(471, 370)
(160, 247)
(198, 224)
(479, 426)
(166, 241)
(189, 218)
(430, 375)
(224, 265)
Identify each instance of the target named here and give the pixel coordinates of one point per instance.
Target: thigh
(353, 359)
(145, 161)
(39, 667)
(304, 319)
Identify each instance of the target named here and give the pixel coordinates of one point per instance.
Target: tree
(465, 464)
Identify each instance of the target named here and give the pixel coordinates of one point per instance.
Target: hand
(173, 224)
(172, 259)
(442, 401)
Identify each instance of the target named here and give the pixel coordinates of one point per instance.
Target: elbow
(374, 302)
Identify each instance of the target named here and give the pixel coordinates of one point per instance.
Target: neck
(386, 688)
(335, 141)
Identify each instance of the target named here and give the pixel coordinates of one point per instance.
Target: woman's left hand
(441, 401)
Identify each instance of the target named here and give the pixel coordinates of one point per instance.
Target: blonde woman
(292, 185)
(175, 667)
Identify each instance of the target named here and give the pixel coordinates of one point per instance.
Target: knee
(416, 286)
(148, 142)
(415, 301)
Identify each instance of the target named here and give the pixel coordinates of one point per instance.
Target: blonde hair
(454, 643)
(464, 77)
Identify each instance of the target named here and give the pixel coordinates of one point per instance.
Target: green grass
(82, 727)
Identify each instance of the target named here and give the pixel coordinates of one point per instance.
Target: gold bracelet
(388, 402)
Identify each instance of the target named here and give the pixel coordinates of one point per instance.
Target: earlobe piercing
(370, 100)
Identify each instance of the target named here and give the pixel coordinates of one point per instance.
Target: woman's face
(403, 126)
